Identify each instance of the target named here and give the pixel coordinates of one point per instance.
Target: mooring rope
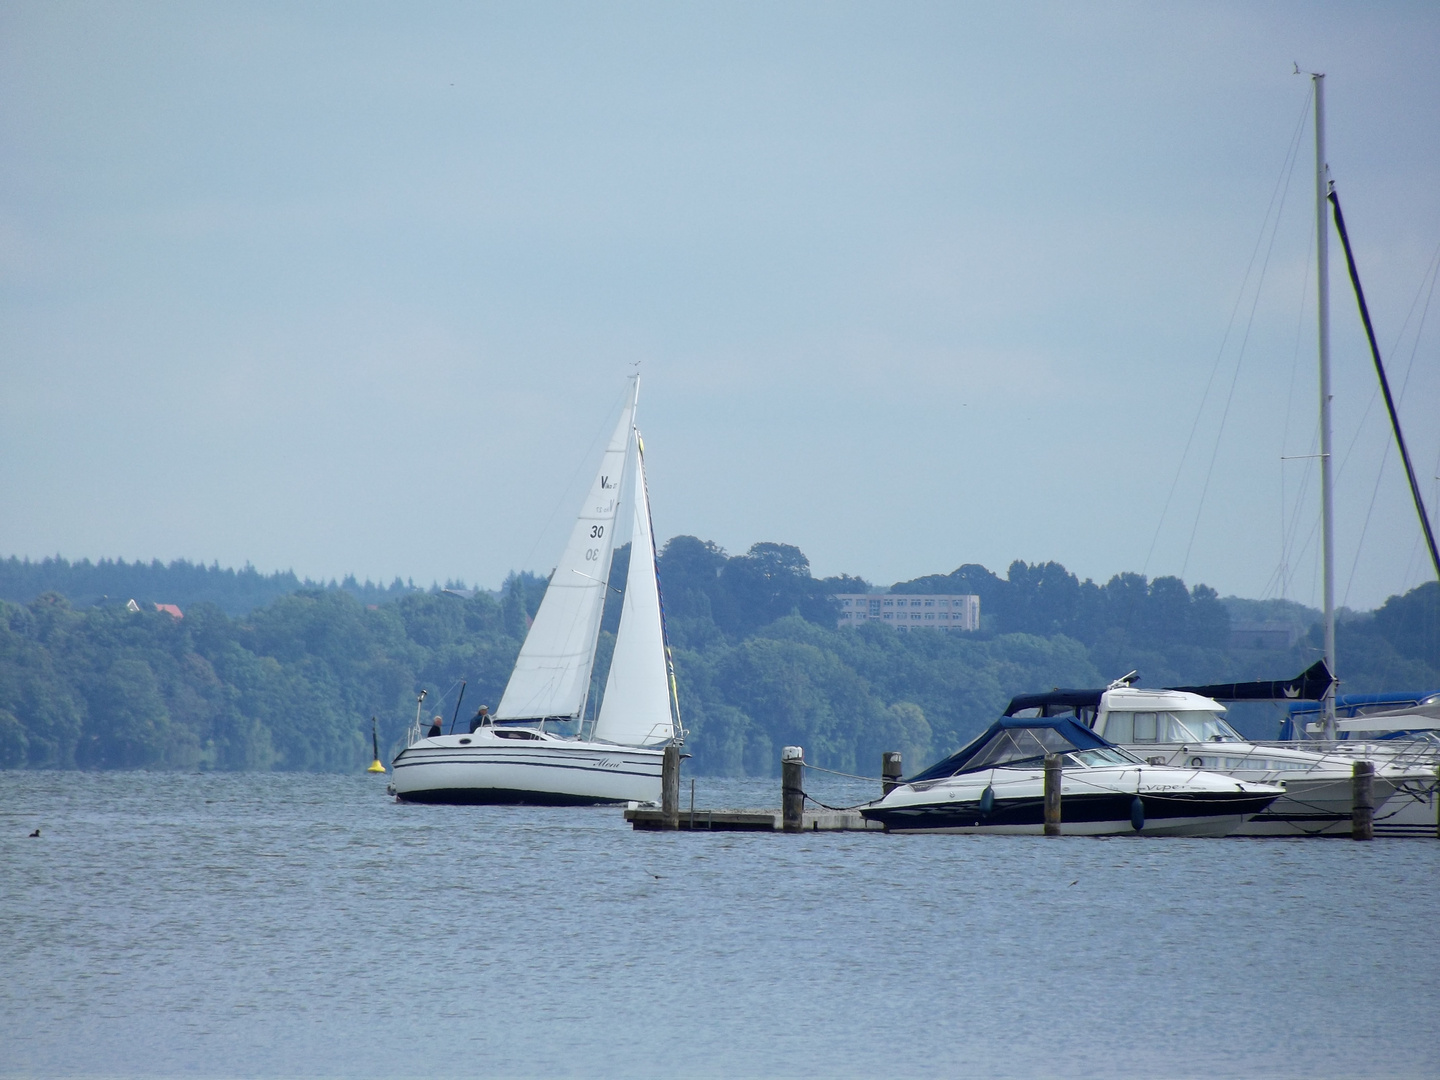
(851, 776)
(837, 809)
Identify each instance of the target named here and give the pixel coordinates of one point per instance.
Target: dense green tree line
(760, 663)
(180, 582)
(291, 686)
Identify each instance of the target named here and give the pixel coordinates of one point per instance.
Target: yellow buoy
(375, 765)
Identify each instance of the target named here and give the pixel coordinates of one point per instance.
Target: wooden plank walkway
(752, 821)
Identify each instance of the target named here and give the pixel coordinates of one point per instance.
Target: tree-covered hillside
(292, 684)
(183, 583)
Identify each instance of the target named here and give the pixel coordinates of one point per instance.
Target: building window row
(945, 612)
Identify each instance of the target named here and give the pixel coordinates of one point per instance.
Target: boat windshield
(1017, 745)
(1105, 755)
(1124, 726)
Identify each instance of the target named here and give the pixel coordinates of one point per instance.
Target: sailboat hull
(548, 772)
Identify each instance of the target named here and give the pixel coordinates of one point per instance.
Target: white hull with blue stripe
(522, 766)
(519, 758)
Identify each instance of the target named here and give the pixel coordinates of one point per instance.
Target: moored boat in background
(996, 785)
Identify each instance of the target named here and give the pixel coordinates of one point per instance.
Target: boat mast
(1322, 303)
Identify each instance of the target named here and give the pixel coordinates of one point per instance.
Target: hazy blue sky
(354, 288)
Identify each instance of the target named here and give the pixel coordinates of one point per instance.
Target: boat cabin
(1023, 742)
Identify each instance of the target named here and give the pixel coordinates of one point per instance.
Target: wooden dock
(792, 817)
(751, 821)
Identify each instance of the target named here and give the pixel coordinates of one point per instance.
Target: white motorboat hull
(1318, 799)
(540, 772)
(1411, 811)
(1216, 825)
(1314, 807)
(1094, 802)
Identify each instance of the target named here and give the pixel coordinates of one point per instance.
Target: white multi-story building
(911, 611)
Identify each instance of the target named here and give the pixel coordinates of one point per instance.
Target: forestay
(636, 707)
(552, 672)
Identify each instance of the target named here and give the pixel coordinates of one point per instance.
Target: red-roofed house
(171, 610)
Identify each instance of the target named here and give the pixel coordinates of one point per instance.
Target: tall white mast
(1322, 298)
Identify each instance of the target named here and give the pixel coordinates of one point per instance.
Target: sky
(355, 288)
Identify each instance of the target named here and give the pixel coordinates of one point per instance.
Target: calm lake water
(283, 925)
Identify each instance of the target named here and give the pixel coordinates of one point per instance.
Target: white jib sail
(552, 672)
(636, 707)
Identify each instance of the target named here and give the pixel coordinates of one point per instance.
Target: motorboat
(1186, 730)
(1399, 730)
(1370, 717)
(541, 748)
(996, 784)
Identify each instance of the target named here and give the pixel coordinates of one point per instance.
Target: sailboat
(537, 750)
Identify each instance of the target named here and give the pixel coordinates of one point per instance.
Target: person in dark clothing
(480, 719)
(434, 728)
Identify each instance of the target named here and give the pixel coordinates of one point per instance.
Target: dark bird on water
(34, 834)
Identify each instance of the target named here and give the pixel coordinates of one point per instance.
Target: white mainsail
(552, 672)
(636, 707)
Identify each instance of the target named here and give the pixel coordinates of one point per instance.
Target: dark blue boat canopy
(1012, 740)
(1310, 685)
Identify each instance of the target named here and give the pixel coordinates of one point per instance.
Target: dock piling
(1052, 794)
(792, 788)
(891, 770)
(1362, 792)
(670, 786)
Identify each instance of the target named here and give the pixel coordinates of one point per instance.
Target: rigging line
(1375, 393)
(1239, 363)
(1369, 510)
(1430, 272)
(1229, 325)
(1384, 383)
(1292, 554)
(1430, 269)
(1290, 406)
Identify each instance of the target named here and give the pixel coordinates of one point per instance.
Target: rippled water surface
(283, 925)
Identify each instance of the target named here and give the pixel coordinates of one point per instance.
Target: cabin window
(1120, 727)
(1144, 727)
(1200, 727)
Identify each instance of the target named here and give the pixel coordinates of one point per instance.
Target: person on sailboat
(435, 728)
(480, 719)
